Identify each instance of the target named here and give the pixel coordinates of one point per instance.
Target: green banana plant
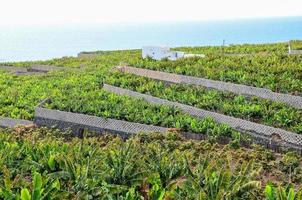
(122, 165)
(40, 191)
(208, 182)
(157, 190)
(281, 193)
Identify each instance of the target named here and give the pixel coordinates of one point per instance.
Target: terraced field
(60, 167)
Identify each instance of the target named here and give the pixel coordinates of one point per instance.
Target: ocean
(46, 42)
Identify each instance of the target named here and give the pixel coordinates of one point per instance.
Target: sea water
(45, 42)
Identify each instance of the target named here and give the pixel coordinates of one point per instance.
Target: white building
(159, 53)
(156, 53)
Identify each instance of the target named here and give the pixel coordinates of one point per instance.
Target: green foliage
(157, 191)
(281, 193)
(213, 181)
(296, 44)
(25, 194)
(47, 164)
(289, 162)
(122, 166)
(40, 190)
(265, 66)
(82, 93)
(252, 109)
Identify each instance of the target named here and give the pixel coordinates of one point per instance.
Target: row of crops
(279, 73)
(47, 164)
(246, 49)
(82, 93)
(252, 109)
(61, 167)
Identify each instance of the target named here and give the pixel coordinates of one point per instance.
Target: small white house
(159, 53)
(156, 53)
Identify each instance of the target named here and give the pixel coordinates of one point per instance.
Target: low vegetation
(275, 71)
(47, 164)
(40, 163)
(252, 109)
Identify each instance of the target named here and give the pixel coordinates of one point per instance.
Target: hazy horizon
(62, 12)
(129, 24)
(36, 43)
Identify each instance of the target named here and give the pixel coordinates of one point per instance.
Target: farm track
(294, 101)
(251, 128)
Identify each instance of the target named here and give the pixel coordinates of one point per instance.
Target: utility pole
(223, 43)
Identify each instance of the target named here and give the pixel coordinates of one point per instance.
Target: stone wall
(265, 134)
(294, 101)
(77, 123)
(10, 123)
(295, 52)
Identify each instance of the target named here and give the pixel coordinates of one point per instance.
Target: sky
(48, 12)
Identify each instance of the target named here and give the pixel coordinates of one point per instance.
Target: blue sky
(32, 12)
